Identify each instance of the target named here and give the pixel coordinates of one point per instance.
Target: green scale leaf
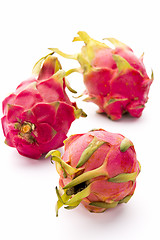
(113, 204)
(123, 177)
(122, 64)
(38, 64)
(77, 198)
(87, 153)
(125, 199)
(104, 204)
(125, 144)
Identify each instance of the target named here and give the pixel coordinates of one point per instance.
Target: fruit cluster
(98, 168)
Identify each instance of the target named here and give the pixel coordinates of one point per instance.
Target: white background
(27, 186)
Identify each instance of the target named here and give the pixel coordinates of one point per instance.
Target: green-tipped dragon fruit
(38, 115)
(98, 169)
(115, 79)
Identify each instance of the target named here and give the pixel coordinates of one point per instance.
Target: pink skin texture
(115, 79)
(103, 173)
(38, 115)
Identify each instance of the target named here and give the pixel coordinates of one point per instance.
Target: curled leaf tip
(125, 144)
(69, 87)
(53, 153)
(79, 113)
(65, 55)
(116, 42)
(79, 70)
(49, 154)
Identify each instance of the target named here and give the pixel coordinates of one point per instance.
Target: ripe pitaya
(38, 115)
(115, 79)
(98, 169)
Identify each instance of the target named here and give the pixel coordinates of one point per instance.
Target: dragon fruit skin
(97, 169)
(115, 79)
(38, 115)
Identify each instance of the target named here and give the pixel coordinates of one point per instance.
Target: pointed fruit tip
(38, 65)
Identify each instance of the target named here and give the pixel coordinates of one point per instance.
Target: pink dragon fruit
(38, 115)
(98, 169)
(115, 79)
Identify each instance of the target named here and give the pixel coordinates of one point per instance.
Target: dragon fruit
(115, 79)
(38, 115)
(98, 169)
